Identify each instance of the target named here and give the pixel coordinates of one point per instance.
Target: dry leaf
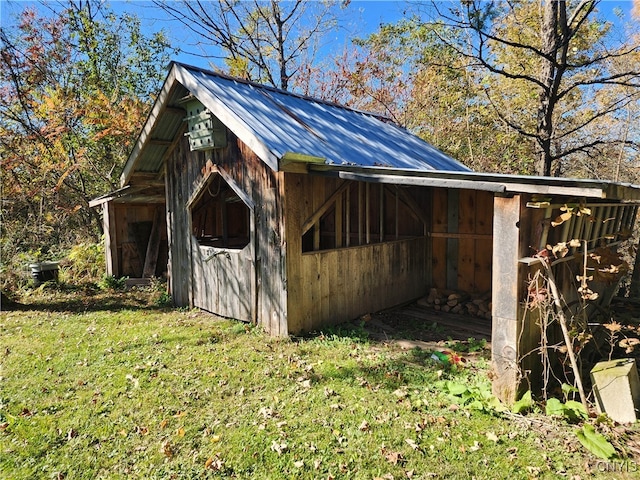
(279, 448)
(163, 423)
(393, 457)
(493, 437)
(400, 393)
(412, 443)
(167, 449)
(306, 383)
(475, 447)
(328, 392)
(214, 463)
(215, 438)
(180, 432)
(364, 426)
(298, 464)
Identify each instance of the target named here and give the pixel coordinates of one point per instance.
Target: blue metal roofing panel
(286, 122)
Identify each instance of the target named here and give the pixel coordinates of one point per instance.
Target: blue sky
(360, 18)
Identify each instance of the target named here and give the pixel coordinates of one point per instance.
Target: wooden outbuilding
(295, 213)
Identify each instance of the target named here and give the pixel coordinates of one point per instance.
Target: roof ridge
(271, 88)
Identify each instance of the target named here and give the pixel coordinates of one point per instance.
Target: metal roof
(277, 124)
(492, 182)
(282, 127)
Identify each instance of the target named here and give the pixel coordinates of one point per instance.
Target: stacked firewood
(477, 305)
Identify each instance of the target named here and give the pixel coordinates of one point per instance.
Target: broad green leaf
(455, 388)
(554, 407)
(567, 389)
(575, 410)
(595, 442)
(524, 404)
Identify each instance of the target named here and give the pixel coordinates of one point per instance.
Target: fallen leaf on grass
(364, 426)
(475, 447)
(180, 432)
(298, 464)
(305, 383)
(393, 457)
(167, 449)
(492, 436)
(214, 463)
(400, 393)
(412, 444)
(3, 426)
(163, 424)
(133, 380)
(328, 392)
(279, 448)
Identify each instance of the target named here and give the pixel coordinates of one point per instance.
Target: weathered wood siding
(331, 286)
(342, 284)
(130, 230)
(461, 239)
(246, 284)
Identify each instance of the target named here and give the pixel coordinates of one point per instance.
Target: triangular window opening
(219, 217)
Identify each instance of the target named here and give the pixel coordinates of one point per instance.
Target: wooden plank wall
(461, 239)
(332, 286)
(257, 284)
(132, 232)
(342, 284)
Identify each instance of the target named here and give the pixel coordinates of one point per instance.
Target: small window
(219, 217)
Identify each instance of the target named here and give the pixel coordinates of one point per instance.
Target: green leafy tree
(74, 91)
(554, 71)
(407, 72)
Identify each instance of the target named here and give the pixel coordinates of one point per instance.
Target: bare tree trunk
(548, 72)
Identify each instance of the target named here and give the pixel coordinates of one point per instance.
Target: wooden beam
(470, 236)
(313, 219)
(348, 217)
(452, 243)
(360, 212)
(381, 212)
(505, 301)
(338, 222)
(153, 247)
(367, 209)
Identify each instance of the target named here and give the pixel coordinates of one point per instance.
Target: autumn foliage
(71, 106)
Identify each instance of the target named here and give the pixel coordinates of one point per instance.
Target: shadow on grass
(83, 298)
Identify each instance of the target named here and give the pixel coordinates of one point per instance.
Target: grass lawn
(103, 385)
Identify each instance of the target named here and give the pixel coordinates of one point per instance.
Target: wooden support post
(505, 303)
(338, 225)
(397, 212)
(381, 211)
(367, 208)
(109, 220)
(452, 243)
(153, 247)
(360, 213)
(348, 217)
